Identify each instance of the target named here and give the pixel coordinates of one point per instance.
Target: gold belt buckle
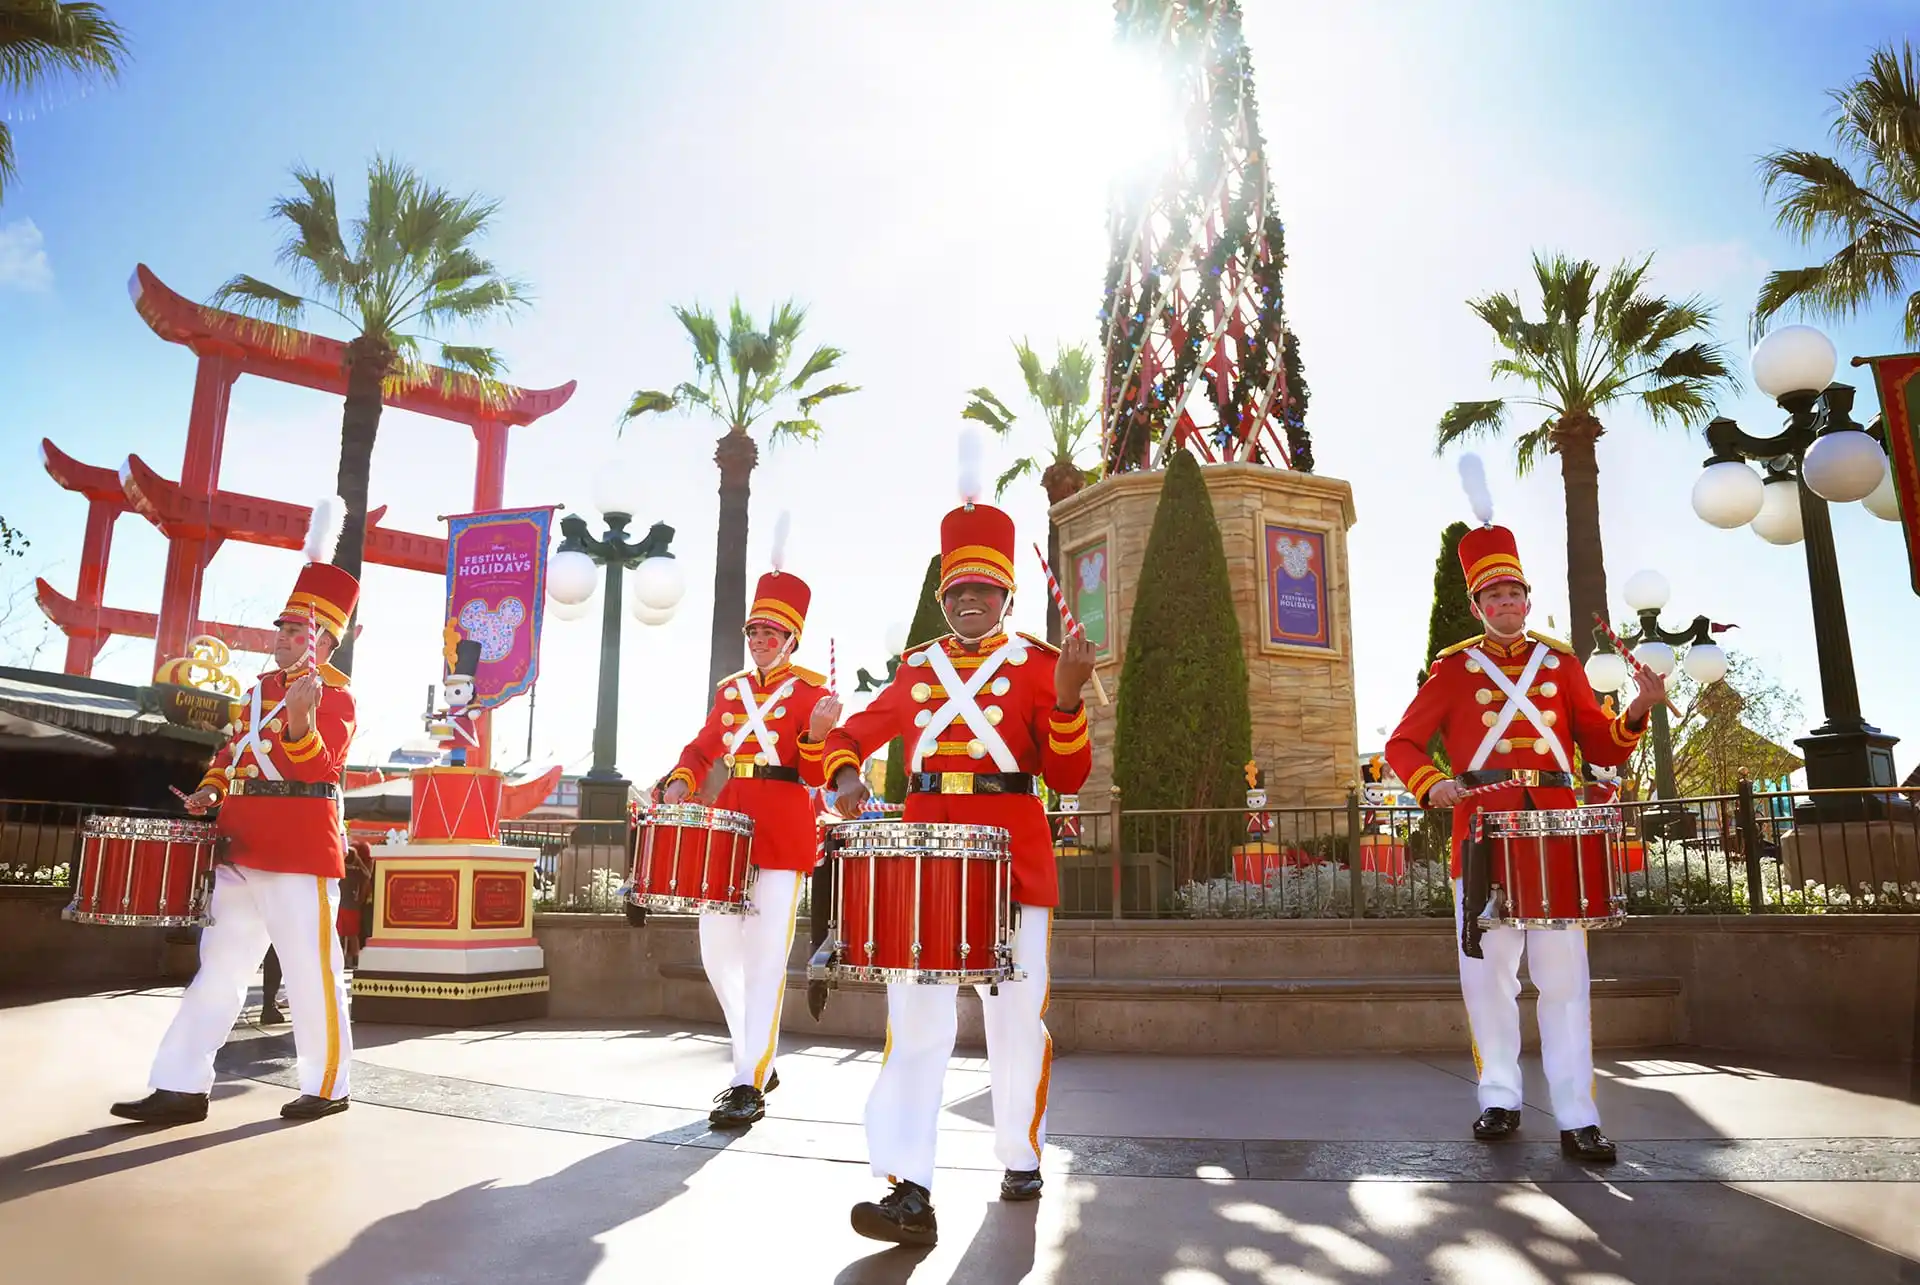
(956, 783)
(1527, 776)
(743, 771)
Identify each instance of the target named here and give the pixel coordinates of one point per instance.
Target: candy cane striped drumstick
(833, 666)
(1067, 621)
(1633, 662)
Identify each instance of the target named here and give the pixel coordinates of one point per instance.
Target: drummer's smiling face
(763, 644)
(1503, 609)
(290, 644)
(974, 609)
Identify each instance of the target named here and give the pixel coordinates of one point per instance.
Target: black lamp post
(1825, 456)
(603, 791)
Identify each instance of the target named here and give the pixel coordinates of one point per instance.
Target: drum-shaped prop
(923, 902)
(692, 859)
(143, 872)
(1564, 868)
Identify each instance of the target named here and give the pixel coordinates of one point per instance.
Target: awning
(67, 702)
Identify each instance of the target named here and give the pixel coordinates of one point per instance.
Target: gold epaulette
(809, 676)
(1042, 644)
(1459, 647)
(743, 673)
(1564, 649)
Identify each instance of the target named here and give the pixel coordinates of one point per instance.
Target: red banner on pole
(1896, 377)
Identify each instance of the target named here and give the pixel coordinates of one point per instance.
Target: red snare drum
(456, 805)
(693, 859)
(1556, 869)
(924, 902)
(143, 872)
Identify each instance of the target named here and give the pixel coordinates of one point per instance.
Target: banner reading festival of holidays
(496, 588)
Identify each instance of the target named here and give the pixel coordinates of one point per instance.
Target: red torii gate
(197, 517)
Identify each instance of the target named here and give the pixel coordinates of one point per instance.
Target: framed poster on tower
(1089, 575)
(1294, 592)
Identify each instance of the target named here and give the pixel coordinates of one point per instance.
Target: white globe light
(614, 488)
(1793, 359)
(1884, 503)
(1705, 663)
(1778, 521)
(1647, 591)
(571, 576)
(649, 615)
(1727, 494)
(1845, 466)
(1656, 656)
(659, 583)
(1606, 671)
(896, 638)
(571, 610)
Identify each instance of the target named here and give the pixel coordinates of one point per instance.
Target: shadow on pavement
(29, 1172)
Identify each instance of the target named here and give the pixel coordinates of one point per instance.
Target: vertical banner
(1296, 586)
(1898, 380)
(1088, 592)
(496, 589)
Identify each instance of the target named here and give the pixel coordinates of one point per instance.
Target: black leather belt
(970, 783)
(284, 790)
(1522, 776)
(764, 772)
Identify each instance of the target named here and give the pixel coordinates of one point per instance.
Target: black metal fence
(40, 841)
(582, 864)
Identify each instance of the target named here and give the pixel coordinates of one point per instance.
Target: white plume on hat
(972, 474)
(782, 527)
(324, 527)
(1473, 480)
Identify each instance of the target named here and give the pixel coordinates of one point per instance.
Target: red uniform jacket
(1461, 703)
(784, 837)
(1018, 703)
(267, 832)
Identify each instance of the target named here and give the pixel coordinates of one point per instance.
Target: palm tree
(1876, 215)
(1062, 391)
(407, 264)
(1589, 351)
(41, 39)
(738, 378)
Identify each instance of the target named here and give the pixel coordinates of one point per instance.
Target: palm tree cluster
(44, 40)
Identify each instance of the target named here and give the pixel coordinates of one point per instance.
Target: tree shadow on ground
(546, 1230)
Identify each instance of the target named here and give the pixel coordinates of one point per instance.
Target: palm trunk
(368, 361)
(1586, 557)
(736, 455)
(1062, 480)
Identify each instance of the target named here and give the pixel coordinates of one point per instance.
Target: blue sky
(932, 181)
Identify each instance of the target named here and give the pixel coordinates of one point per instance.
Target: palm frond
(704, 331)
(785, 323)
(1532, 446)
(483, 363)
(1686, 402)
(8, 169)
(469, 303)
(1819, 194)
(819, 395)
(987, 409)
(1701, 361)
(1019, 469)
(804, 429)
(41, 40)
(646, 402)
(1466, 420)
(251, 297)
(823, 359)
(1031, 371)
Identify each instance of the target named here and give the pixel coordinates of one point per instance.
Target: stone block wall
(1302, 698)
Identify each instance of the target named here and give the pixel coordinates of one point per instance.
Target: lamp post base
(1846, 758)
(604, 798)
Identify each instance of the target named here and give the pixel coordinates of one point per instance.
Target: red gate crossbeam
(77, 620)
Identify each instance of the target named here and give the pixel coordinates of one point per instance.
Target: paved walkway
(560, 1153)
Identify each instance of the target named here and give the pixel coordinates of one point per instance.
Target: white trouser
(1557, 962)
(746, 961)
(903, 1111)
(251, 908)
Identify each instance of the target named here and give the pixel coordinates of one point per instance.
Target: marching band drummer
(278, 881)
(986, 714)
(753, 732)
(1503, 702)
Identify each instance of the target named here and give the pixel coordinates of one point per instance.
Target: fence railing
(1750, 852)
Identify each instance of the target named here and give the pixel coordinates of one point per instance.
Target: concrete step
(1273, 1015)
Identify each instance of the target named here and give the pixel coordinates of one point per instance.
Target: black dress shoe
(270, 1016)
(164, 1106)
(309, 1107)
(1020, 1184)
(738, 1107)
(1588, 1145)
(773, 1082)
(1496, 1124)
(903, 1216)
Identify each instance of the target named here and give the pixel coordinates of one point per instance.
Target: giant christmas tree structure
(1198, 354)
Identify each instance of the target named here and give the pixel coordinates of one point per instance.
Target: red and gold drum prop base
(928, 903)
(1565, 868)
(143, 872)
(452, 941)
(456, 805)
(692, 860)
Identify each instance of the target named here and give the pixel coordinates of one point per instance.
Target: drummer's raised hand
(676, 791)
(1073, 671)
(1649, 690)
(202, 801)
(826, 716)
(303, 698)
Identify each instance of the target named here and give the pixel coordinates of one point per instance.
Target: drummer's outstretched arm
(1407, 747)
(854, 741)
(322, 752)
(1066, 750)
(703, 750)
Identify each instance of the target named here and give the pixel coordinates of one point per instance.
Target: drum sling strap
(1476, 881)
